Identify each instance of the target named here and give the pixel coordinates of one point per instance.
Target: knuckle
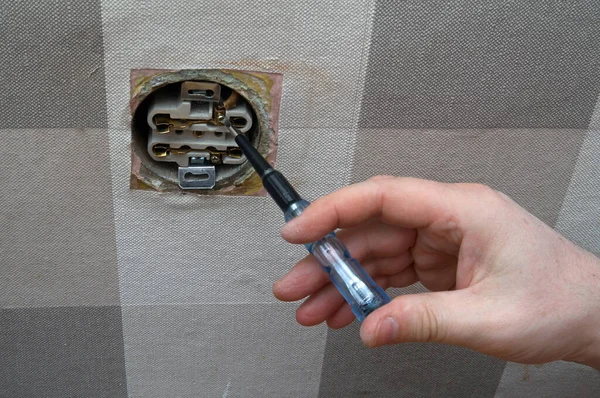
(428, 328)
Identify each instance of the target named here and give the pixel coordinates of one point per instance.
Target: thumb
(445, 317)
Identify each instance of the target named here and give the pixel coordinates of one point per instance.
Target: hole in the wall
(169, 136)
(176, 148)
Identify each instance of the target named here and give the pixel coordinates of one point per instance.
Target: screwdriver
(345, 272)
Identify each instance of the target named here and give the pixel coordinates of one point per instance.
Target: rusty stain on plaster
(262, 90)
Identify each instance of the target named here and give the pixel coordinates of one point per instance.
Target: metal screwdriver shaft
(345, 272)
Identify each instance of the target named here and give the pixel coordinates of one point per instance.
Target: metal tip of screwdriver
(228, 124)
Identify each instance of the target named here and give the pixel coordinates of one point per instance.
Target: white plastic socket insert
(186, 129)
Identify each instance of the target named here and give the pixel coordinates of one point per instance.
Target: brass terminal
(235, 153)
(219, 114)
(182, 150)
(164, 124)
(161, 150)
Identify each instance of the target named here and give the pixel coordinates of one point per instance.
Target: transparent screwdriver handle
(345, 272)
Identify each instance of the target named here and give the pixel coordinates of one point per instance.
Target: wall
(110, 292)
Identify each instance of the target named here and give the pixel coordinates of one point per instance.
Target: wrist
(589, 353)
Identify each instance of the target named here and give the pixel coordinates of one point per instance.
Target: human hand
(504, 283)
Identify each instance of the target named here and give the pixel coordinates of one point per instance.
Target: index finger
(406, 202)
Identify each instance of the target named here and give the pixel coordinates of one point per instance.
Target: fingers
(304, 279)
(320, 306)
(344, 316)
(376, 266)
(455, 317)
(435, 269)
(307, 277)
(328, 305)
(406, 277)
(341, 318)
(373, 240)
(406, 202)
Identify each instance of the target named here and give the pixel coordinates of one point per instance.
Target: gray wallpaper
(108, 292)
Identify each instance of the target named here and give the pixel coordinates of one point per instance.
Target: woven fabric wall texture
(109, 292)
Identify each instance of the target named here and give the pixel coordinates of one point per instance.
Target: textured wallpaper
(112, 292)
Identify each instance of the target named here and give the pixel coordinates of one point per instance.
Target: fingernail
(386, 331)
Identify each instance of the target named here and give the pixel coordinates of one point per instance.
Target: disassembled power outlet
(178, 141)
(187, 129)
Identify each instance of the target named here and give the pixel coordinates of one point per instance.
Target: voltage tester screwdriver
(346, 273)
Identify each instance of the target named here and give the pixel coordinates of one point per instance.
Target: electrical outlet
(186, 128)
(177, 132)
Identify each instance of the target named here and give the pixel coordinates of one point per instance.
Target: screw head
(215, 158)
